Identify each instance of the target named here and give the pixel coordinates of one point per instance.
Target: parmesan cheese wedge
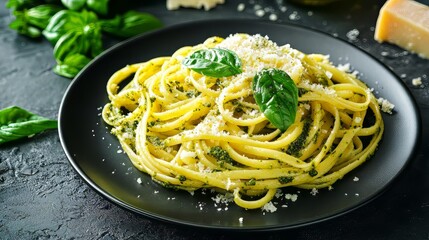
(206, 4)
(404, 23)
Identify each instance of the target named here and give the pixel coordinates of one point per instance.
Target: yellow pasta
(191, 131)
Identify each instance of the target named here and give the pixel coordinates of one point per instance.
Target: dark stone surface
(42, 197)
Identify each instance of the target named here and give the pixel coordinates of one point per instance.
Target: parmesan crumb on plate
(386, 106)
(139, 181)
(314, 191)
(269, 207)
(292, 197)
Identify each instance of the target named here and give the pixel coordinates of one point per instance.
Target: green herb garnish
(75, 27)
(214, 62)
(277, 96)
(16, 123)
(285, 179)
(220, 154)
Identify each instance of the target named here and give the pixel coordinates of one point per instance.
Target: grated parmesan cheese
(318, 88)
(258, 52)
(344, 67)
(358, 119)
(187, 154)
(223, 198)
(292, 197)
(314, 191)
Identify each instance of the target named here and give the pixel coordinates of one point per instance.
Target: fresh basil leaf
(70, 43)
(33, 32)
(74, 33)
(130, 24)
(21, 25)
(98, 6)
(214, 62)
(67, 20)
(71, 65)
(277, 96)
(16, 123)
(39, 16)
(95, 40)
(22, 4)
(73, 51)
(74, 5)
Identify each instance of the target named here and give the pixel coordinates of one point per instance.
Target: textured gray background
(42, 197)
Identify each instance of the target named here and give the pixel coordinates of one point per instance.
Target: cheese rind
(406, 24)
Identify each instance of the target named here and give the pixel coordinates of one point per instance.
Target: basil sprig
(28, 22)
(75, 27)
(76, 37)
(16, 123)
(277, 96)
(214, 62)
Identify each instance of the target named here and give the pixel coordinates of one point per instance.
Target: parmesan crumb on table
(260, 12)
(273, 17)
(417, 81)
(294, 16)
(241, 7)
(353, 34)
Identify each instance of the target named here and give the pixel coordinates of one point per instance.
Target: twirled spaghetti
(191, 131)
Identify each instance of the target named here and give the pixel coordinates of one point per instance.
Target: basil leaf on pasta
(277, 96)
(214, 62)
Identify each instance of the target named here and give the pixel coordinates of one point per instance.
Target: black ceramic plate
(97, 157)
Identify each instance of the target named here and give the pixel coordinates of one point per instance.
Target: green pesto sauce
(296, 146)
(285, 179)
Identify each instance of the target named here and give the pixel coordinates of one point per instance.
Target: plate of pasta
(243, 125)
